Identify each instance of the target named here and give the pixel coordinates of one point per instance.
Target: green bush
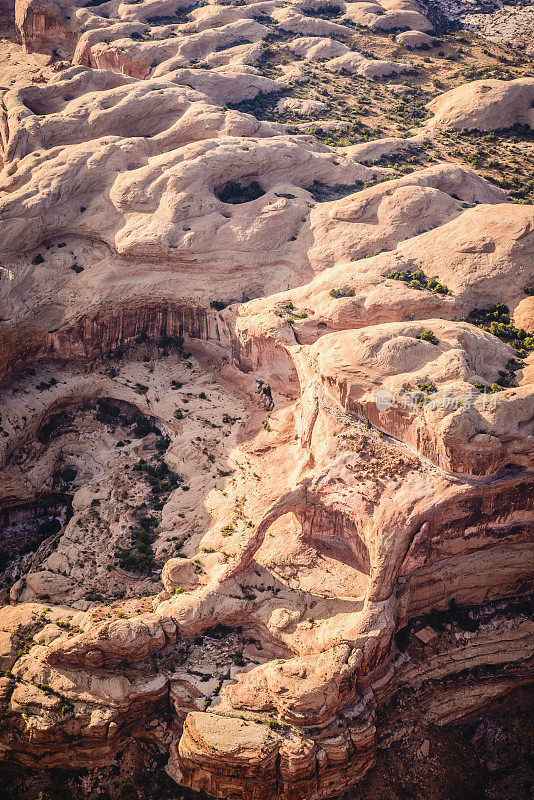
(496, 320)
(418, 280)
(429, 336)
(427, 388)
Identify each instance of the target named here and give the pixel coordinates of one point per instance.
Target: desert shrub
(429, 336)
(427, 388)
(496, 320)
(418, 280)
(505, 380)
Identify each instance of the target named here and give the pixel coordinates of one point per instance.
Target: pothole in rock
(234, 192)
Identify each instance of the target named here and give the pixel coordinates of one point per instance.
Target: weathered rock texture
(267, 416)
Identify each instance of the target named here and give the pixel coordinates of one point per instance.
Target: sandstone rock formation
(485, 105)
(267, 408)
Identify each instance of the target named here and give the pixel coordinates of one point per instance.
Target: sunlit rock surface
(267, 409)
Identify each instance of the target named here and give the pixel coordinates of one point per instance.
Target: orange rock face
(266, 407)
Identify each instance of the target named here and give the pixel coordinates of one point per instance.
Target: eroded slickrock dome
(266, 405)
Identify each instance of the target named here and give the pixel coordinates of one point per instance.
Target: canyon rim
(266, 399)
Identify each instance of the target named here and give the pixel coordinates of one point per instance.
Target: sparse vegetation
(496, 320)
(427, 388)
(429, 336)
(418, 280)
(251, 474)
(346, 292)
